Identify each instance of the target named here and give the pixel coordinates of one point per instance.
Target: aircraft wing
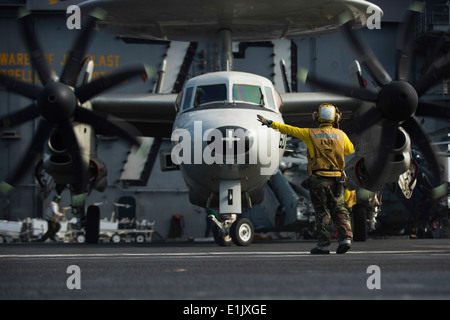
(151, 114)
(299, 106)
(249, 20)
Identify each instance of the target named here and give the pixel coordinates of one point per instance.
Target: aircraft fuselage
(217, 138)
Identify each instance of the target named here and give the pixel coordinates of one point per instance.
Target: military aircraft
(225, 156)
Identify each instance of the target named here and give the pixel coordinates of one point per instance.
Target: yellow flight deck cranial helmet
(327, 113)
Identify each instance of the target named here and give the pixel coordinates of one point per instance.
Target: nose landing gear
(230, 229)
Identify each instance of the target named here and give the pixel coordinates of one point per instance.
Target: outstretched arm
(301, 133)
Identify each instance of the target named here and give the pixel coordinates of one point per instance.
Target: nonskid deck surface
(381, 269)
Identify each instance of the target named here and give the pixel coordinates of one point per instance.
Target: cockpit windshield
(247, 93)
(212, 93)
(228, 94)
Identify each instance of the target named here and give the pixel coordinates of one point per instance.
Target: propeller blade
(423, 142)
(19, 117)
(43, 69)
(284, 74)
(89, 90)
(34, 150)
(363, 123)
(356, 72)
(71, 143)
(406, 41)
(433, 109)
(76, 56)
(102, 125)
(439, 70)
(24, 89)
(89, 70)
(367, 57)
(338, 88)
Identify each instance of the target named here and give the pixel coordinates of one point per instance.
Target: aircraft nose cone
(57, 102)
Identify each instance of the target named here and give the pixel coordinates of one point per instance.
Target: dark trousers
(53, 228)
(327, 197)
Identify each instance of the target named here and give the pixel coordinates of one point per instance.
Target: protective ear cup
(337, 118)
(315, 116)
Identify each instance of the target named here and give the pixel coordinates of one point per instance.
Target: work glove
(264, 121)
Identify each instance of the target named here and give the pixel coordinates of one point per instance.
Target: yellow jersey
(326, 147)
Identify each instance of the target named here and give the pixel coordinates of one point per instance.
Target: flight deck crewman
(326, 148)
(53, 217)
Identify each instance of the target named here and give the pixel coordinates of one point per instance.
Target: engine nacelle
(99, 172)
(364, 170)
(58, 162)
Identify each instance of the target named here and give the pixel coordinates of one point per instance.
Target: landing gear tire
(221, 238)
(359, 223)
(242, 232)
(92, 226)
